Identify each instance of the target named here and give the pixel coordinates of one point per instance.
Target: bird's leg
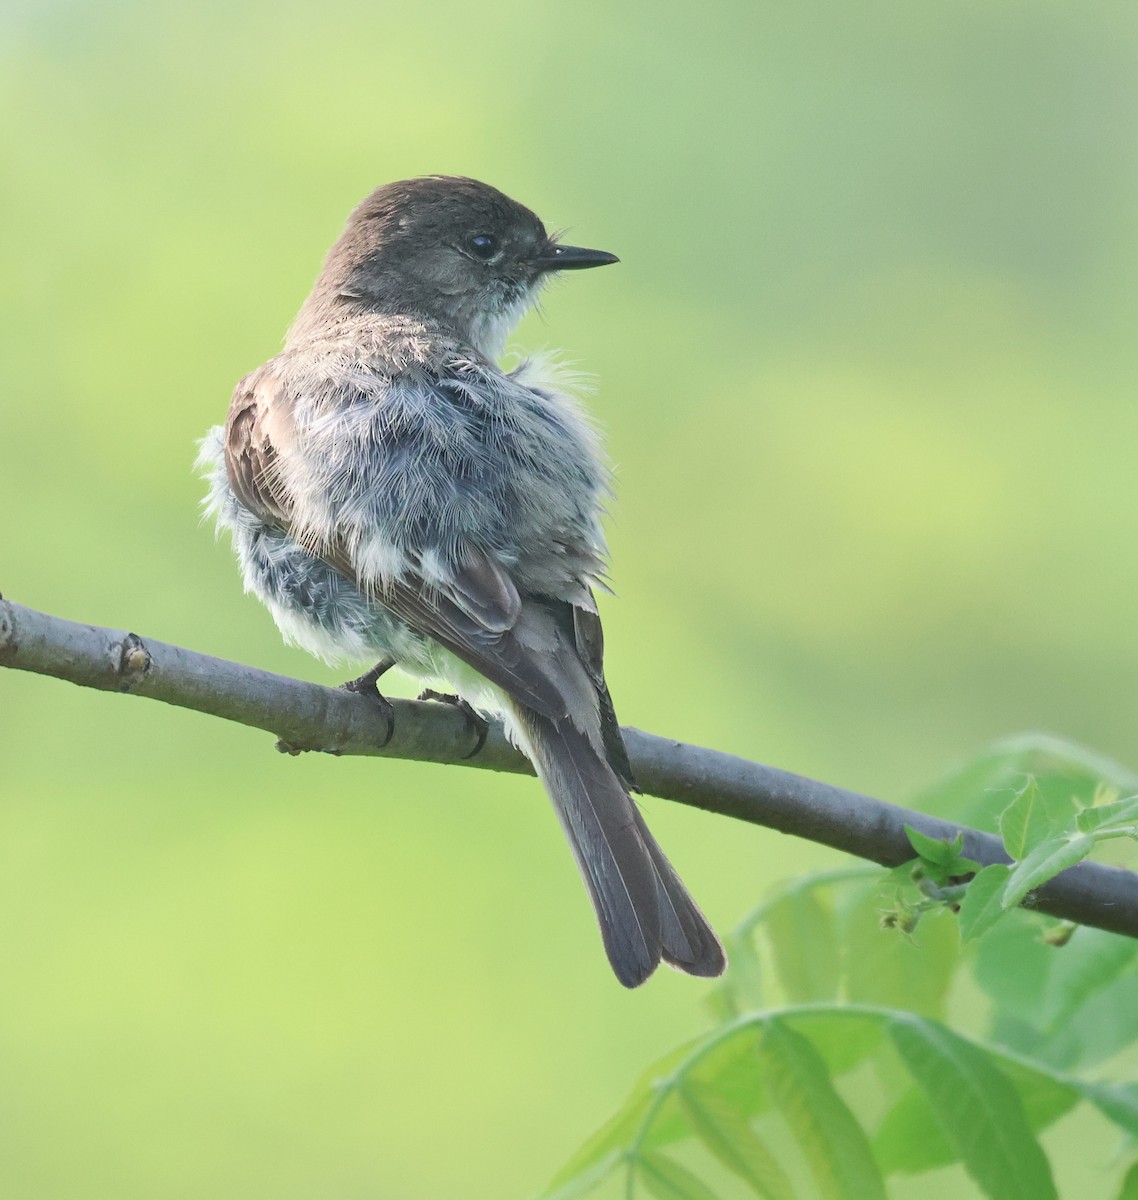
(474, 718)
(365, 686)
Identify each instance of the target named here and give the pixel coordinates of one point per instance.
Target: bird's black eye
(483, 245)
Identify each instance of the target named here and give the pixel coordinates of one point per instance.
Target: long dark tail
(644, 910)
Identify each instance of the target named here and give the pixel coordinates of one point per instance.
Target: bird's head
(454, 250)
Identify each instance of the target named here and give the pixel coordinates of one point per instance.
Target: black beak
(571, 258)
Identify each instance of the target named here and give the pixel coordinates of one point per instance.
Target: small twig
(308, 716)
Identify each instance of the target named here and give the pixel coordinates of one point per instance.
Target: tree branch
(308, 716)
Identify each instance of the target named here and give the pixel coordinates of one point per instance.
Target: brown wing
(250, 455)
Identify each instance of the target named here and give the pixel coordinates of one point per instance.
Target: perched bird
(393, 494)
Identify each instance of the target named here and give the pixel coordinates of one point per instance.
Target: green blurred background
(867, 370)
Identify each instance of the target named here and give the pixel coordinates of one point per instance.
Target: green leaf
(1106, 1025)
(586, 1180)
(1044, 863)
(1025, 822)
(1013, 966)
(910, 1139)
(804, 940)
(833, 1143)
(731, 1070)
(981, 908)
(1067, 1006)
(1090, 1009)
(1122, 812)
(619, 1132)
(727, 1135)
(667, 1180)
(1129, 1188)
(740, 988)
(1118, 1101)
(978, 1108)
(1045, 1098)
(975, 793)
(934, 851)
(721, 1001)
(746, 974)
(601, 1153)
(941, 859)
(1089, 962)
(842, 1038)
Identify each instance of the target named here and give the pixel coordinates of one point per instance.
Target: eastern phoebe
(392, 493)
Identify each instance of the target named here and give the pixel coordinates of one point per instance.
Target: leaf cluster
(834, 1066)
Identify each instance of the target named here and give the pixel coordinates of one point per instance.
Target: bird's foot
(474, 718)
(366, 686)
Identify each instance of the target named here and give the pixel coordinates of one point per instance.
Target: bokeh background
(867, 370)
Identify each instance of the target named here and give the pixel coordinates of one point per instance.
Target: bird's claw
(474, 718)
(366, 686)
